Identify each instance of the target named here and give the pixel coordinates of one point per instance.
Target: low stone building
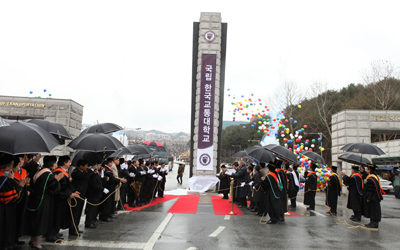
(66, 112)
(379, 127)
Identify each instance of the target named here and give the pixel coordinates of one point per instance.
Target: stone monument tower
(208, 75)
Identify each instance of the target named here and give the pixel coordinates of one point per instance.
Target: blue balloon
(252, 126)
(254, 123)
(276, 134)
(244, 127)
(290, 141)
(44, 90)
(229, 94)
(31, 92)
(295, 122)
(233, 119)
(248, 118)
(251, 104)
(306, 143)
(319, 140)
(229, 89)
(242, 96)
(291, 119)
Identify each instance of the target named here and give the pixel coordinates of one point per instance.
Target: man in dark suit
(93, 195)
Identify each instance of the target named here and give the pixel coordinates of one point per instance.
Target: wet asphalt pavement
(155, 228)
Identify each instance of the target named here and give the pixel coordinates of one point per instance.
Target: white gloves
(151, 171)
(217, 175)
(242, 184)
(155, 175)
(254, 188)
(162, 169)
(106, 191)
(160, 178)
(251, 183)
(228, 173)
(142, 172)
(132, 175)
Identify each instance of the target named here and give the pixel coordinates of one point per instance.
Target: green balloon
(258, 131)
(252, 94)
(302, 129)
(277, 119)
(234, 113)
(317, 164)
(313, 140)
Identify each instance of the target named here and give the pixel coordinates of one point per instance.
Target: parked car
(387, 186)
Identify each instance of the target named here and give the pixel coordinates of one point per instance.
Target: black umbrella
(282, 153)
(54, 128)
(355, 159)
(104, 128)
(363, 148)
(140, 149)
(93, 158)
(240, 154)
(259, 153)
(123, 151)
(314, 157)
(25, 138)
(95, 143)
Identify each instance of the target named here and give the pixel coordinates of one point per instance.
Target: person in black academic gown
(273, 194)
(310, 188)
(282, 178)
(258, 192)
(224, 182)
(80, 184)
(333, 191)
(39, 216)
(10, 195)
(355, 186)
(93, 196)
(62, 217)
(372, 197)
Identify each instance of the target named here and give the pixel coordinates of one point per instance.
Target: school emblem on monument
(209, 36)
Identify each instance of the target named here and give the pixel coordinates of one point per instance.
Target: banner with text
(205, 146)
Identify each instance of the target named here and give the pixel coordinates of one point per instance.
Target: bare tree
(383, 78)
(324, 106)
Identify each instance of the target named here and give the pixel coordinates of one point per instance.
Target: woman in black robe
(372, 198)
(45, 186)
(224, 181)
(355, 186)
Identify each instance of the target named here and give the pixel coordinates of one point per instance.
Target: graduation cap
(271, 166)
(277, 163)
(5, 160)
(355, 168)
(223, 166)
(372, 167)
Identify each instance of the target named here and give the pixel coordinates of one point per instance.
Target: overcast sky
(129, 62)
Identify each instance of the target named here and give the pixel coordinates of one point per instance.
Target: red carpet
(293, 214)
(155, 202)
(223, 207)
(186, 204)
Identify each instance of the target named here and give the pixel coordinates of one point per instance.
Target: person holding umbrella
(355, 185)
(273, 205)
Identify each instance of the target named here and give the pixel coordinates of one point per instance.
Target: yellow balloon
(299, 106)
(299, 169)
(245, 100)
(322, 149)
(280, 125)
(265, 131)
(259, 122)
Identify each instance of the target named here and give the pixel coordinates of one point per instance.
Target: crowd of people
(270, 187)
(40, 200)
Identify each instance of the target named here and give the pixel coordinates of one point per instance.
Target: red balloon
(267, 109)
(282, 111)
(267, 134)
(286, 120)
(295, 146)
(274, 120)
(310, 149)
(259, 100)
(305, 126)
(273, 127)
(290, 149)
